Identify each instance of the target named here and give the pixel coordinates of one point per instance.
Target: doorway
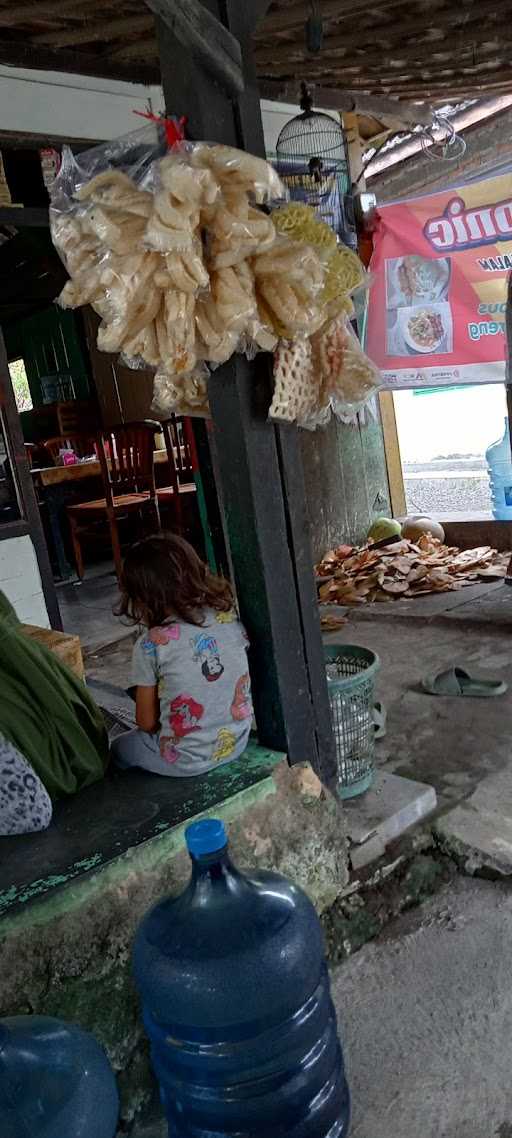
(441, 437)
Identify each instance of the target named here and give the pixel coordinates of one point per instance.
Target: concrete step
(390, 807)
(478, 832)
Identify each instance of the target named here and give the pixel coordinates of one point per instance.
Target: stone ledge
(68, 953)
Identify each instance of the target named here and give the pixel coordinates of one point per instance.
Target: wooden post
(386, 403)
(508, 362)
(393, 456)
(260, 465)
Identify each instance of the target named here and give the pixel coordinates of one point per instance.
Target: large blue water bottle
(55, 1081)
(499, 467)
(237, 1004)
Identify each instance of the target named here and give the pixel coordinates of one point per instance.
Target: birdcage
(351, 673)
(311, 159)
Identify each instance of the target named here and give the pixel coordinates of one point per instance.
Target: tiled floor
(87, 606)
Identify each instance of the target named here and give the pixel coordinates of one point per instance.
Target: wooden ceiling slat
(53, 10)
(144, 49)
(390, 38)
(94, 32)
(438, 58)
(462, 84)
(21, 53)
(394, 47)
(293, 15)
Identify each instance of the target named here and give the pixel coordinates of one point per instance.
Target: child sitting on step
(193, 694)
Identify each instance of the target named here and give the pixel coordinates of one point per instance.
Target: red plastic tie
(174, 128)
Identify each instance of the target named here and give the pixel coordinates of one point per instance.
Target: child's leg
(138, 749)
(25, 805)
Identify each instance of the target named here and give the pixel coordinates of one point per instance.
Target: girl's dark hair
(164, 577)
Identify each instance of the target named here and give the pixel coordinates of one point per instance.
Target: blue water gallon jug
(55, 1081)
(237, 1004)
(499, 467)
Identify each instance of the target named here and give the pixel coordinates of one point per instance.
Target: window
(20, 385)
(443, 436)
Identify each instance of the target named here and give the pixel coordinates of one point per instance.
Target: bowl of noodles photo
(423, 328)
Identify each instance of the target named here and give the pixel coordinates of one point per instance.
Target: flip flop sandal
(456, 681)
(379, 716)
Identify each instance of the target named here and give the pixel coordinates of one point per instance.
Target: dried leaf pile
(404, 569)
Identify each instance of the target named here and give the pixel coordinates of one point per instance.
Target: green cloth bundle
(47, 712)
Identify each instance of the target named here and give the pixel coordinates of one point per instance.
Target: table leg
(55, 499)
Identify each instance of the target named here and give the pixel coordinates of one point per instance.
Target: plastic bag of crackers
(176, 250)
(328, 371)
(165, 244)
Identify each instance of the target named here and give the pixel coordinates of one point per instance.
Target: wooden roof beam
(205, 37)
(386, 110)
(368, 65)
(58, 9)
(23, 54)
(138, 49)
(290, 16)
(93, 31)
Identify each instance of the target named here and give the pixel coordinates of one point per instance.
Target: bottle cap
(206, 837)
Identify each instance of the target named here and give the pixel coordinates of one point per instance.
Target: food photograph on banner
(440, 264)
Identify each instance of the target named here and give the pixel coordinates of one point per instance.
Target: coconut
(414, 528)
(382, 528)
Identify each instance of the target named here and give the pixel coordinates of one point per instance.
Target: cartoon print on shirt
(225, 617)
(165, 633)
(225, 744)
(206, 650)
(168, 750)
(185, 713)
(241, 708)
(148, 647)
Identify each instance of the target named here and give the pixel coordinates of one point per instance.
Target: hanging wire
(449, 148)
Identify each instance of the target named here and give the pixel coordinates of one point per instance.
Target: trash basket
(351, 674)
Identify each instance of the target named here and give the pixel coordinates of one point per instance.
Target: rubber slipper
(379, 716)
(456, 681)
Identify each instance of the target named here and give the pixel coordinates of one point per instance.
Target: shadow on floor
(86, 608)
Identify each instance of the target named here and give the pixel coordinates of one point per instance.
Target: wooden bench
(64, 645)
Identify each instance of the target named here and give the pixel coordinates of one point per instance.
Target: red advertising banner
(436, 312)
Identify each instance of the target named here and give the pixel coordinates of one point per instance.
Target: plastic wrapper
(300, 222)
(348, 378)
(237, 170)
(181, 395)
(289, 278)
(344, 275)
(216, 341)
(132, 156)
(342, 270)
(297, 386)
(173, 254)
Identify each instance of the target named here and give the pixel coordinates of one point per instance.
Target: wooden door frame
(392, 453)
(30, 522)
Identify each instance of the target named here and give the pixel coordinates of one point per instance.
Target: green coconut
(383, 528)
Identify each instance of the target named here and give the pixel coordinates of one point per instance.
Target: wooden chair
(30, 451)
(76, 416)
(177, 437)
(127, 470)
(82, 444)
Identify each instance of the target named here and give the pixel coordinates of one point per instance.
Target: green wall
(49, 342)
(346, 481)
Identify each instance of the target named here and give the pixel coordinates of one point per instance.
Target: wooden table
(52, 483)
(77, 471)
